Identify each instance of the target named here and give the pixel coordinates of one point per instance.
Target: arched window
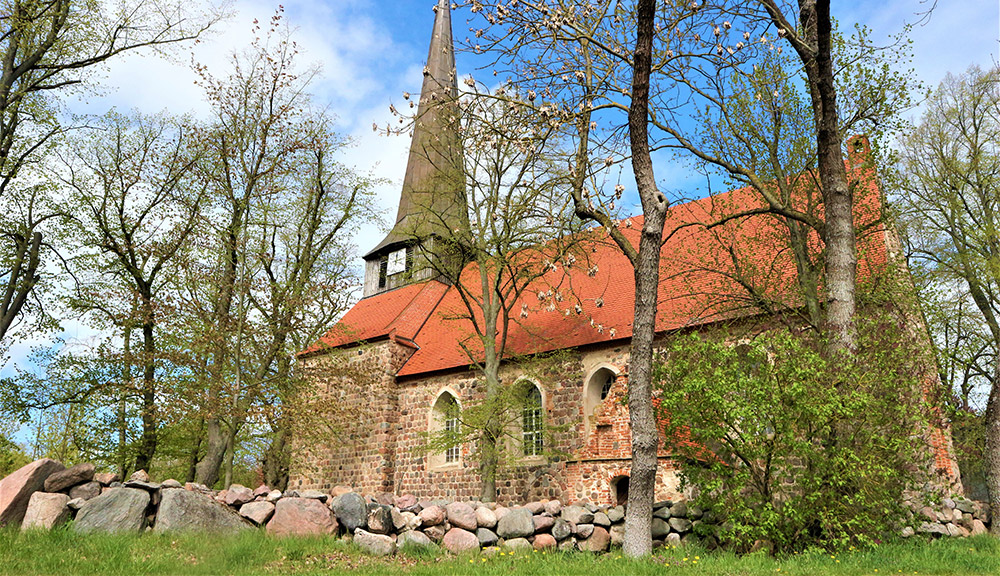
(532, 441)
(444, 417)
(595, 391)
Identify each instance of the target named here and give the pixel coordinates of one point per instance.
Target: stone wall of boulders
(45, 494)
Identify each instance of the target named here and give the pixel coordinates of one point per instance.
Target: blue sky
(371, 51)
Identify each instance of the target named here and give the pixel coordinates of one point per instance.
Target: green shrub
(790, 448)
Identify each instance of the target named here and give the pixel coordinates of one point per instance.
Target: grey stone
(379, 519)
(76, 503)
(932, 528)
(17, 487)
(518, 543)
(517, 523)
(46, 511)
(584, 530)
(171, 483)
(965, 506)
(662, 504)
(59, 481)
(535, 507)
(978, 527)
(433, 515)
(458, 541)
(435, 533)
(561, 529)
(485, 517)
(695, 513)
(487, 537)
(257, 512)
(948, 503)
(567, 545)
(601, 519)
(183, 511)
(411, 521)
(314, 495)
(273, 496)
(617, 534)
(301, 516)
(413, 539)
(616, 514)
(673, 539)
(954, 531)
(542, 523)
(351, 511)
(86, 491)
(116, 510)
(461, 515)
(553, 507)
(660, 528)
(238, 495)
(398, 520)
(374, 544)
(662, 513)
(679, 510)
(139, 476)
(143, 485)
(681, 525)
(598, 541)
(577, 515)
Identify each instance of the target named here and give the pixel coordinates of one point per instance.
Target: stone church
(396, 366)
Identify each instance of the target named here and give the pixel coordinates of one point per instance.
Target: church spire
(432, 201)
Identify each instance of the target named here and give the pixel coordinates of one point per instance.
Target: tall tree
(135, 203)
(951, 194)
(278, 236)
(47, 48)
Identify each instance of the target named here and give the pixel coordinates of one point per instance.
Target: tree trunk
(276, 461)
(215, 451)
(838, 198)
(148, 442)
(192, 470)
(991, 420)
(645, 437)
(488, 466)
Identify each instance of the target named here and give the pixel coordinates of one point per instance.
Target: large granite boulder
(238, 495)
(413, 539)
(561, 529)
(301, 516)
(516, 523)
(543, 523)
(257, 512)
(577, 515)
(433, 515)
(116, 510)
(379, 518)
(16, 489)
(183, 511)
(458, 541)
(486, 537)
(485, 517)
(374, 544)
(79, 474)
(462, 516)
(351, 511)
(680, 525)
(86, 490)
(46, 511)
(598, 541)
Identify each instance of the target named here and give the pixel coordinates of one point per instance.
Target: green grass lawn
(64, 553)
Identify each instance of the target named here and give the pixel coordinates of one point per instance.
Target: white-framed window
(444, 417)
(452, 453)
(532, 423)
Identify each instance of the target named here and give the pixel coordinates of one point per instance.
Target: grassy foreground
(64, 553)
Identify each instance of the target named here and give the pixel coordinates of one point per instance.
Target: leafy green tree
(49, 48)
(950, 167)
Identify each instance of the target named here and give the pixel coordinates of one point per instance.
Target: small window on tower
(397, 262)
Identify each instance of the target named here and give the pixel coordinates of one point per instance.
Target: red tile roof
(592, 300)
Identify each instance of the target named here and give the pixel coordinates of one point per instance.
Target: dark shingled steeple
(433, 201)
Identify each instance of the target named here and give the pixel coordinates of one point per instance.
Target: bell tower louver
(432, 203)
